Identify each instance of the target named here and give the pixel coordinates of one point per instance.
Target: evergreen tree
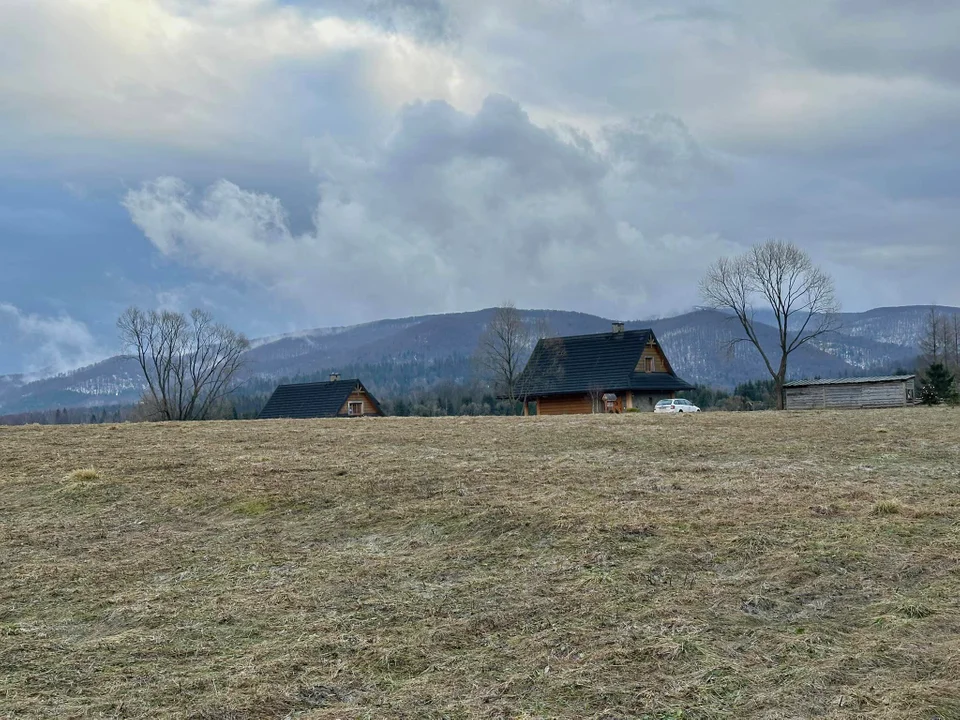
(939, 385)
(705, 397)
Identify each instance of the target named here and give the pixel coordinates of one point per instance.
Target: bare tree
(954, 328)
(189, 364)
(505, 346)
(935, 341)
(940, 339)
(596, 398)
(778, 275)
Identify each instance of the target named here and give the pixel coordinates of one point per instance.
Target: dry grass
(716, 566)
(83, 475)
(887, 507)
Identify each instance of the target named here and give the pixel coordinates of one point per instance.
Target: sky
(293, 164)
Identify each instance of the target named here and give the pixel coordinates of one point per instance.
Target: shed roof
(603, 361)
(850, 381)
(312, 400)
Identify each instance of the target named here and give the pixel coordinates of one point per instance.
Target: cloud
(745, 75)
(881, 38)
(659, 149)
(225, 77)
(58, 344)
(205, 75)
(451, 211)
(639, 140)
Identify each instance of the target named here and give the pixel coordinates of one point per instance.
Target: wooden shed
(868, 392)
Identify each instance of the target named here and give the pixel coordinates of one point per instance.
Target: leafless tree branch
(504, 348)
(189, 364)
(778, 275)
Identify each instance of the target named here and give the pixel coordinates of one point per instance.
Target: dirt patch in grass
(722, 566)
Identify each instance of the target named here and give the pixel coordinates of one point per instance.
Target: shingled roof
(850, 381)
(607, 361)
(312, 400)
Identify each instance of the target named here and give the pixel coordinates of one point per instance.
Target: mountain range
(415, 352)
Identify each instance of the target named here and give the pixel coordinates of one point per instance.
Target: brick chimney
(617, 328)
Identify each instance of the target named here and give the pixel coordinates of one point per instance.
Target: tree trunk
(778, 382)
(778, 391)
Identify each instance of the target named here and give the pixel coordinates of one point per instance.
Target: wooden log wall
(851, 395)
(565, 405)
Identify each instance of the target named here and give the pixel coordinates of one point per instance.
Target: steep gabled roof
(605, 361)
(312, 400)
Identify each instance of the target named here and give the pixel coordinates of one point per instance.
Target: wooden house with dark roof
(606, 372)
(337, 398)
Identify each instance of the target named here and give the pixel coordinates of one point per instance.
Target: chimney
(617, 328)
(334, 377)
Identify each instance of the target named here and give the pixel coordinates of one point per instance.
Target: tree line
(72, 416)
(438, 400)
(940, 359)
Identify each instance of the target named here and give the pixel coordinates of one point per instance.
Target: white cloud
(58, 344)
(198, 75)
(454, 211)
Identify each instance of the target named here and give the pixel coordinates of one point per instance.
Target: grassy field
(752, 565)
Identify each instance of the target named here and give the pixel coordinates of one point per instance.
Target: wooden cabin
(337, 398)
(606, 372)
(869, 392)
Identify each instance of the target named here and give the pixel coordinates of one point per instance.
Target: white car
(675, 406)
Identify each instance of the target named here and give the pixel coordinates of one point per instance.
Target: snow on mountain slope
(697, 343)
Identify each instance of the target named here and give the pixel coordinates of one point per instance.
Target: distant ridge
(421, 349)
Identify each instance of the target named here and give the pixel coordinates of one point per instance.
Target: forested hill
(399, 356)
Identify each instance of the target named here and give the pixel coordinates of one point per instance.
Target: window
(648, 364)
(532, 407)
(355, 407)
